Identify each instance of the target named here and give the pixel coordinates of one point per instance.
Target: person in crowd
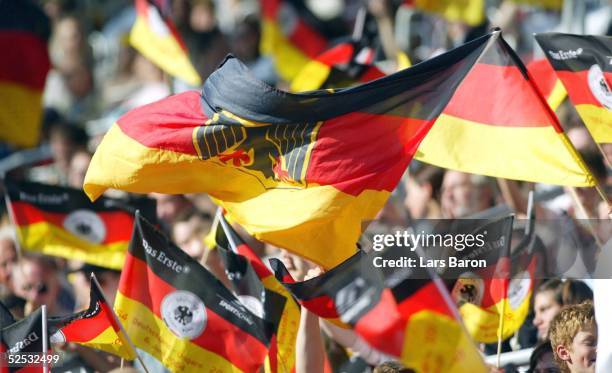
(573, 338)
(422, 192)
(36, 279)
(170, 207)
(542, 360)
(551, 296)
(465, 194)
(8, 258)
(188, 233)
(78, 168)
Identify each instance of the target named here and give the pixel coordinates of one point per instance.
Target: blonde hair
(564, 327)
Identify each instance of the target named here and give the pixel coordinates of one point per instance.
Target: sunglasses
(40, 288)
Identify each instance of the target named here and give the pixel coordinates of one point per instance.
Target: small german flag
(178, 312)
(289, 35)
(262, 293)
(336, 68)
(546, 79)
(584, 64)
(24, 31)
(62, 222)
(402, 312)
(96, 327)
(155, 36)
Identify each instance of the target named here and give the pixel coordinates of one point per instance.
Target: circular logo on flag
(518, 289)
(468, 288)
(252, 304)
(87, 225)
(599, 87)
(184, 314)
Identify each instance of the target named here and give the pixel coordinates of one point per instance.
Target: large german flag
(469, 12)
(583, 63)
(546, 79)
(177, 311)
(306, 172)
(24, 31)
(289, 36)
(498, 124)
(155, 37)
(62, 222)
(262, 293)
(399, 311)
(337, 67)
(95, 327)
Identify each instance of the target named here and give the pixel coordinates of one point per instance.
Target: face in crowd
(546, 308)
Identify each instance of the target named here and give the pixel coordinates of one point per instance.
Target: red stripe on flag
(360, 151)
(307, 39)
(166, 124)
(140, 283)
(25, 60)
(577, 86)
(87, 329)
(499, 96)
(118, 224)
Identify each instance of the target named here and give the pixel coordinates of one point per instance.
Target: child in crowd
(573, 337)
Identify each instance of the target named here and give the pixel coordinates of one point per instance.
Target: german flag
(583, 63)
(498, 124)
(503, 287)
(178, 312)
(336, 67)
(546, 80)
(469, 12)
(155, 37)
(402, 312)
(289, 36)
(96, 327)
(261, 293)
(306, 172)
(22, 337)
(62, 222)
(24, 31)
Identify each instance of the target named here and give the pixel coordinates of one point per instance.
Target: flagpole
(127, 337)
(45, 347)
(500, 332)
(226, 229)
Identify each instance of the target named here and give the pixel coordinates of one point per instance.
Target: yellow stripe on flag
(483, 324)
(288, 59)
(164, 51)
(151, 334)
(311, 77)
(557, 95)
(437, 343)
(598, 120)
(536, 154)
(48, 239)
(20, 114)
(111, 342)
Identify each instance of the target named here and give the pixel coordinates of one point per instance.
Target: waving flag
(546, 79)
(399, 311)
(96, 327)
(498, 124)
(178, 312)
(306, 172)
(155, 37)
(24, 31)
(583, 64)
(336, 68)
(289, 35)
(62, 222)
(259, 290)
